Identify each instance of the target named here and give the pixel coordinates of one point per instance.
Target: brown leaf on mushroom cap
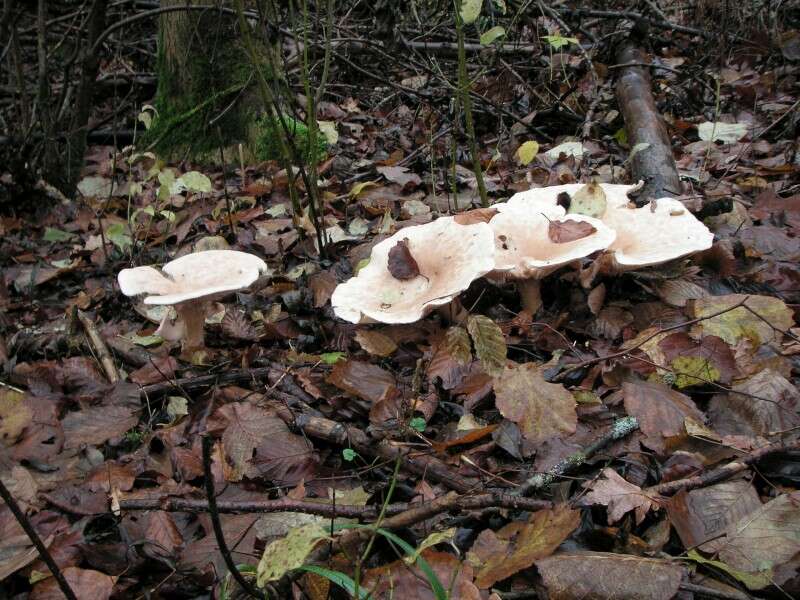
(562, 232)
(449, 256)
(650, 235)
(524, 243)
(402, 265)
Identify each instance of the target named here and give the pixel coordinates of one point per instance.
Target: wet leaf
(605, 576)
(765, 538)
(706, 513)
(490, 344)
(619, 496)
(402, 176)
(563, 232)
(661, 413)
(518, 545)
(389, 580)
(402, 265)
(542, 410)
(95, 426)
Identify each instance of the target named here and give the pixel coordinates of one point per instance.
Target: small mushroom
(446, 257)
(190, 284)
(531, 243)
(656, 233)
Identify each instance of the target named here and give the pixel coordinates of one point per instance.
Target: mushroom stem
(530, 291)
(193, 315)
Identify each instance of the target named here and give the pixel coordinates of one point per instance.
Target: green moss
(208, 106)
(267, 130)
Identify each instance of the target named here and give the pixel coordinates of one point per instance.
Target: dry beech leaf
(619, 496)
(563, 232)
(542, 410)
(402, 265)
(490, 343)
(235, 324)
(85, 583)
(456, 342)
(476, 215)
(364, 380)
(518, 545)
(376, 343)
(606, 576)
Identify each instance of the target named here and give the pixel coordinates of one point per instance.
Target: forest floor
(314, 425)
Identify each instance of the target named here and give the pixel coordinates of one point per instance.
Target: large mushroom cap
(193, 276)
(656, 233)
(524, 248)
(449, 256)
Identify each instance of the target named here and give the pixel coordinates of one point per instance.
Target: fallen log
(651, 152)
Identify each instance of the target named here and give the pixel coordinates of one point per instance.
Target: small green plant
(268, 148)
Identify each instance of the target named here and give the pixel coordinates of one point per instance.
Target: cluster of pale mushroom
(424, 267)
(191, 284)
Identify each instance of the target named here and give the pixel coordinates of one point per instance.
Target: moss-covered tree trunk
(206, 95)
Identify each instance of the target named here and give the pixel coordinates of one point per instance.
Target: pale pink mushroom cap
(524, 250)
(194, 276)
(449, 256)
(646, 236)
(651, 235)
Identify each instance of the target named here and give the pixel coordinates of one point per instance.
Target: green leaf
(337, 578)
(754, 581)
(456, 342)
(693, 370)
(194, 181)
(470, 10)
(417, 423)
(349, 454)
(557, 41)
(289, 553)
(590, 200)
(490, 344)
(117, 235)
(56, 235)
(331, 358)
(527, 152)
(621, 136)
(492, 34)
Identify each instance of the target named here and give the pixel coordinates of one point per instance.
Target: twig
(721, 473)
(420, 511)
(99, 346)
(414, 462)
(620, 429)
(217, 525)
(37, 542)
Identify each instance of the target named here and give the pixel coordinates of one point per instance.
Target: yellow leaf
(289, 553)
(490, 344)
(527, 152)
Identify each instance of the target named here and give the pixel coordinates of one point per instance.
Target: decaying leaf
(563, 232)
(518, 545)
(606, 576)
(761, 319)
(619, 496)
(542, 410)
(375, 342)
(290, 552)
